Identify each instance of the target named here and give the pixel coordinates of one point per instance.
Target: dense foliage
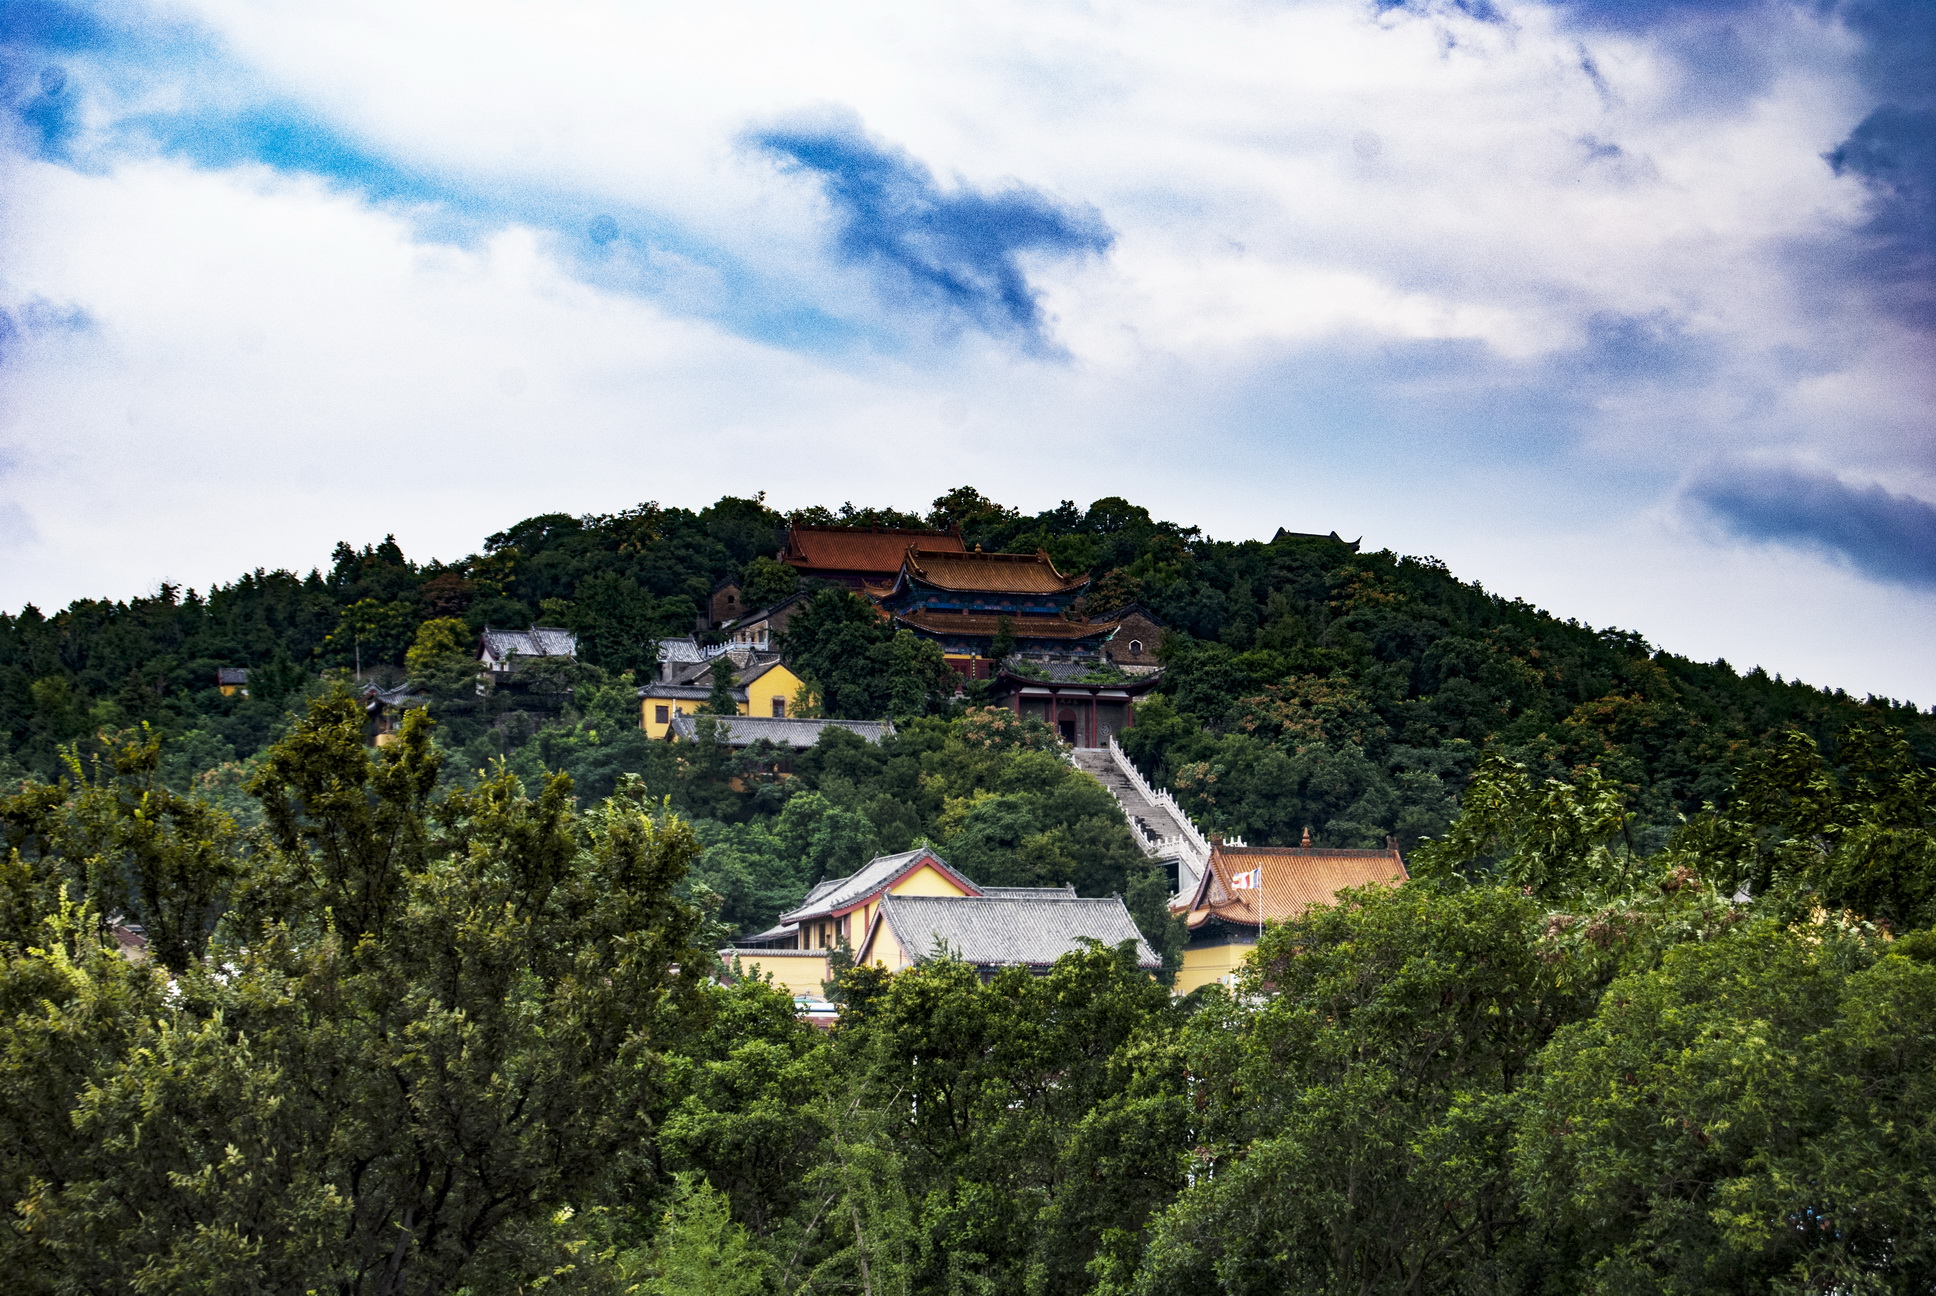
(411, 1037)
(1657, 1011)
(1306, 683)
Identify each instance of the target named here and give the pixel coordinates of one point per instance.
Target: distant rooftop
(1013, 926)
(1288, 880)
(979, 572)
(859, 549)
(687, 650)
(836, 894)
(534, 641)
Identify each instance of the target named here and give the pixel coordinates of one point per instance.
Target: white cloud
(1361, 268)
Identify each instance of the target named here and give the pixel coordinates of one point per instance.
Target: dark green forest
(1305, 684)
(1657, 1012)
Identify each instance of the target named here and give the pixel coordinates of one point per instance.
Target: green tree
(766, 582)
(1755, 1114)
(372, 632)
(278, 679)
(751, 1115)
(1147, 898)
(618, 621)
(827, 840)
(443, 657)
(982, 1089)
(1860, 837)
(721, 700)
(165, 861)
(1548, 836)
(115, 833)
(860, 666)
(1358, 1117)
(71, 1007)
(426, 1026)
(700, 1251)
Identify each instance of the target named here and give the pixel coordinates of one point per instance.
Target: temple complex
(1012, 619)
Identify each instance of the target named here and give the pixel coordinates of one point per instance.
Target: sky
(1624, 307)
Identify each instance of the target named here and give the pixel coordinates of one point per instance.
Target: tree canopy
(283, 1011)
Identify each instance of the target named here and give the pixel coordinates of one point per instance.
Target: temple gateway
(1086, 713)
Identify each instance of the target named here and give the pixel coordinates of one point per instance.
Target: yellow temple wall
(799, 972)
(1203, 964)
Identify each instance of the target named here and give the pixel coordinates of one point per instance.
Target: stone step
(1097, 763)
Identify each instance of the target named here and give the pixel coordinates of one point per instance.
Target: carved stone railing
(1191, 839)
(1190, 842)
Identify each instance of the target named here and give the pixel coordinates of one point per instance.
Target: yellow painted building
(798, 972)
(763, 687)
(838, 913)
(1203, 964)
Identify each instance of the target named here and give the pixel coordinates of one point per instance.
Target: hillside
(416, 1019)
(1305, 683)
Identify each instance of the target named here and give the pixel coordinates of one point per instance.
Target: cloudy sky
(1627, 307)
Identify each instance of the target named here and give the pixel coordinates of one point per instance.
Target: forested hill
(411, 1021)
(1306, 684)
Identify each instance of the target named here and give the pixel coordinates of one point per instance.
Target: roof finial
(1307, 836)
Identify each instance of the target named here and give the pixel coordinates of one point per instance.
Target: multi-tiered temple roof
(994, 581)
(858, 555)
(963, 599)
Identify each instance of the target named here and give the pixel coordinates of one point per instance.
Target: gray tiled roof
(799, 734)
(683, 692)
(772, 935)
(836, 893)
(757, 615)
(404, 695)
(537, 641)
(688, 649)
(231, 675)
(998, 930)
(746, 666)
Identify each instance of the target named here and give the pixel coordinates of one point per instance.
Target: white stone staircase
(1157, 822)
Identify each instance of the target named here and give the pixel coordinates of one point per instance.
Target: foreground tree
(1357, 1119)
(425, 1029)
(1757, 1114)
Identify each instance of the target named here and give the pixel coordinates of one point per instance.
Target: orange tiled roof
(991, 572)
(860, 549)
(1294, 878)
(1022, 627)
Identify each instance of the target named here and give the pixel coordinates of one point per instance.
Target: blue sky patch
(47, 25)
(287, 140)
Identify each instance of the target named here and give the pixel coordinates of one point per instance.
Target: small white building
(500, 651)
